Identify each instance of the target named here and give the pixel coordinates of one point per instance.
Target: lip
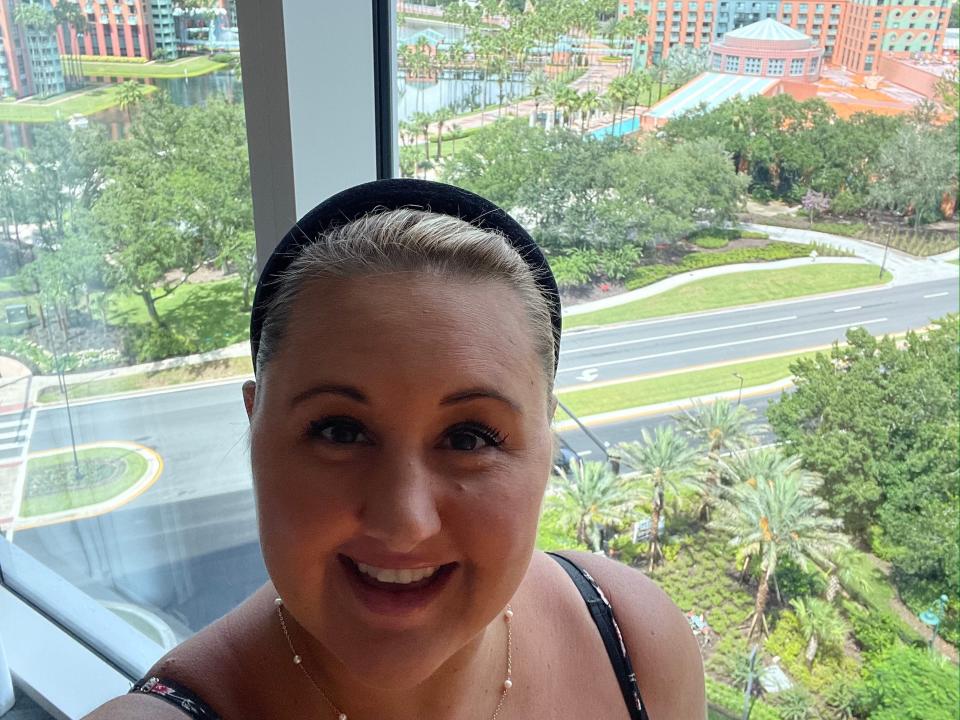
(402, 603)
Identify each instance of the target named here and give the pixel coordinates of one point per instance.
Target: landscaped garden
(59, 482)
(817, 551)
(62, 107)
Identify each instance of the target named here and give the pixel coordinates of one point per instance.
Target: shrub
(109, 58)
(730, 699)
(576, 268)
(876, 630)
(711, 243)
(754, 235)
(617, 264)
(146, 343)
(795, 704)
(225, 58)
(836, 228)
(846, 203)
(906, 683)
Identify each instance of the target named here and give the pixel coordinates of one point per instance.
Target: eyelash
(490, 435)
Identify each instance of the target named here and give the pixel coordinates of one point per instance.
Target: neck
(469, 684)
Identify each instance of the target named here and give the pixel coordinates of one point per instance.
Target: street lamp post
(739, 377)
(61, 378)
(934, 616)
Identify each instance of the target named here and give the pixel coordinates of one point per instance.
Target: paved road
(187, 547)
(727, 335)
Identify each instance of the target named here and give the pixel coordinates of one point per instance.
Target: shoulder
(663, 651)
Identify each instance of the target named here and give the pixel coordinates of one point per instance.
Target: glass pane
(126, 271)
(646, 179)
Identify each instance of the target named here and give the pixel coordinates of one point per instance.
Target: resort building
(852, 33)
(42, 59)
(769, 49)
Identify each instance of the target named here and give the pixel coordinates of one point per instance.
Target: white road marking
(722, 345)
(848, 309)
(933, 295)
(679, 334)
(588, 375)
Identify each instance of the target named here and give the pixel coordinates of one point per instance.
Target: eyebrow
(349, 391)
(479, 393)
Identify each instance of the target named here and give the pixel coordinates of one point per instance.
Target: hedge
(649, 274)
(726, 700)
(107, 59)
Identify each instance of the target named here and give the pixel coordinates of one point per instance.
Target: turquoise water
(624, 127)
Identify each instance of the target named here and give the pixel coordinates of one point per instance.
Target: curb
(144, 483)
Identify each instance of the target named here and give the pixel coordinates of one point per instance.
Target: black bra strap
(602, 615)
(177, 695)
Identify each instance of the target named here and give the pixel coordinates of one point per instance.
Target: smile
(392, 591)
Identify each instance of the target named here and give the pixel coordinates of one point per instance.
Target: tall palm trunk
(760, 604)
(811, 651)
(656, 552)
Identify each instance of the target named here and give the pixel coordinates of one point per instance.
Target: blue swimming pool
(624, 127)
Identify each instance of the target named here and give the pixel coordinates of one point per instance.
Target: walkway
(906, 269)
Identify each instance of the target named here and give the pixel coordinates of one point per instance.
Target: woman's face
(400, 430)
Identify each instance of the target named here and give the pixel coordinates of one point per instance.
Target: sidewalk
(906, 269)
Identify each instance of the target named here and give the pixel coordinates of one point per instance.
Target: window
(796, 66)
(732, 64)
(751, 66)
(814, 63)
(715, 61)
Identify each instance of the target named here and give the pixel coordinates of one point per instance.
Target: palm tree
(130, 94)
(567, 100)
(617, 95)
(588, 103)
(666, 460)
(591, 497)
(721, 425)
(774, 514)
(855, 575)
(821, 625)
(440, 116)
(422, 122)
(68, 14)
(538, 83)
(36, 20)
(455, 129)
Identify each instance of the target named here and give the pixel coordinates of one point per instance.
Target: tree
(718, 426)
(440, 117)
(821, 625)
(814, 202)
(686, 63)
(775, 515)
(591, 497)
(908, 683)
(880, 424)
(914, 171)
(667, 461)
(130, 94)
(37, 21)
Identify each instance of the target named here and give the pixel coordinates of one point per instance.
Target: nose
(400, 505)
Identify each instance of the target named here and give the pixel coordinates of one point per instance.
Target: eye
(338, 430)
(471, 436)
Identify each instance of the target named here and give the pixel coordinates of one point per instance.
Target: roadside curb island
(152, 473)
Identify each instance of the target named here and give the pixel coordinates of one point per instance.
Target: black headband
(383, 195)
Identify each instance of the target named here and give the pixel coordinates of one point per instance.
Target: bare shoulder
(141, 707)
(664, 653)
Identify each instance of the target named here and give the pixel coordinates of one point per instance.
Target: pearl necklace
(340, 715)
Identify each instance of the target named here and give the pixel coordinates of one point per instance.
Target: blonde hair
(408, 240)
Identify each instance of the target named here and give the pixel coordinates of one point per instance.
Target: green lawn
(51, 485)
(955, 262)
(187, 67)
(61, 107)
(214, 370)
(737, 289)
(211, 312)
(676, 386)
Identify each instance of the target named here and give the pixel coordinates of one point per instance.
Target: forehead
(411, 324)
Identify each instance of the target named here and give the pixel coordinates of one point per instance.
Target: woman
(405, 337)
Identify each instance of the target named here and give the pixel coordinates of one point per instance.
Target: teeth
(402, 577)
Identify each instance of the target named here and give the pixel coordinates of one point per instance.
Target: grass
(737, 289)
(200, 372)
(677, 386)
(210, 313)
(138, 623)
(61, 107)
(41, 501)
(955, 262)
(193, 66)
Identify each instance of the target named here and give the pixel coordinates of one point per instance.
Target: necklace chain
(340, 715)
